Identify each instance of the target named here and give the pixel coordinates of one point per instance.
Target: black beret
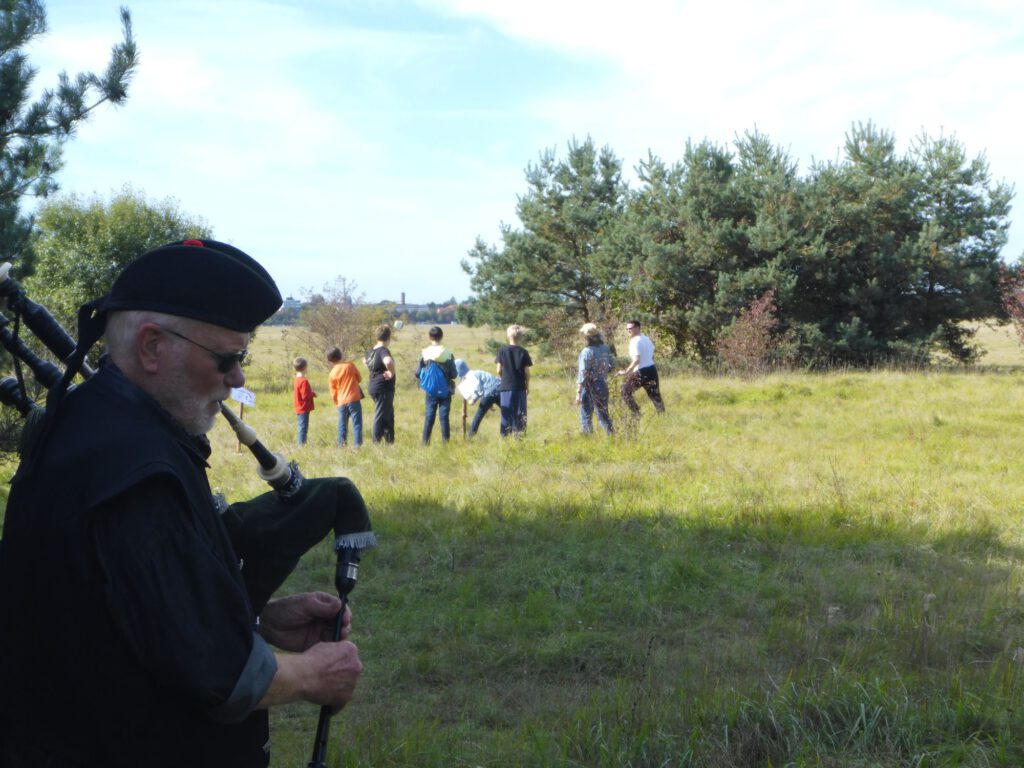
(201, 279)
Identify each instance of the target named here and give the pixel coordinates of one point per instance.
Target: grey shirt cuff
(252, 684)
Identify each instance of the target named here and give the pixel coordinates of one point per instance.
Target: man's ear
(150, 345)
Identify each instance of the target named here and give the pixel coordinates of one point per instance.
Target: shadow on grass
(795, 636)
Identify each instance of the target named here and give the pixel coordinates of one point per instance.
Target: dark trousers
(439, 406)
(384, 416)
(648, 379)
(513, 412)
(484, 404)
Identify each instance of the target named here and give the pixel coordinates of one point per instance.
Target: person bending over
(478, 387)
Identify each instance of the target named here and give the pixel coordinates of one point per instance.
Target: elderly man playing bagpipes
(136, 622)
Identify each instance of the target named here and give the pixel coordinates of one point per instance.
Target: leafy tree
(874, 257)
(904, 249)
(868, 258)
(769, 227)
(466, 313)
(965, 224)
(33, 132)
(338, 316)
(862, 213)
(81, 245)
(561, 260)
(709, 235)
(667, 281)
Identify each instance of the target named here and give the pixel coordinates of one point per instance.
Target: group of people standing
(508, 390)
(437, 371)
(596, 363)
(345, 383)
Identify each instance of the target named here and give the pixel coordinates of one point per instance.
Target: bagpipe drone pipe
(271, 532)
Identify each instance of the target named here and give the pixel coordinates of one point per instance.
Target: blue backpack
(433, 381)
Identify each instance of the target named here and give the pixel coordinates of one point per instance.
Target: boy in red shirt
(302, 395)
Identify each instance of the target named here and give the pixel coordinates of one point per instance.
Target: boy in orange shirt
(302, 395)
(346, 394)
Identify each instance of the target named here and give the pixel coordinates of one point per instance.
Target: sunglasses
(226, 362)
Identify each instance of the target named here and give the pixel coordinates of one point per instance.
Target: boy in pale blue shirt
(478, 386)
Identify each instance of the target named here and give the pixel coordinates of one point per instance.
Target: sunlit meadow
(806, 569)
(801, 569)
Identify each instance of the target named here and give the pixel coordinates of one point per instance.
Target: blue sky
(376, 140)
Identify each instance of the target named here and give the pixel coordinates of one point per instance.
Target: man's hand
(326, 674)
(298, 622)
(336, 668)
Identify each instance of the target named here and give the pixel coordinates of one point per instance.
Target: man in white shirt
(641, 371)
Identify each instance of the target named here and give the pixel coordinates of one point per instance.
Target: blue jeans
(442, 407)
(355, 411)
(595, 397)
(513, 412)
(484, 405)
(302, 421)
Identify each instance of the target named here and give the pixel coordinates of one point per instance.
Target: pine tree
(32, 132)
(561, 260)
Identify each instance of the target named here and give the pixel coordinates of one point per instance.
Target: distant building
(431, 312)
(288, 314)
(446, 314)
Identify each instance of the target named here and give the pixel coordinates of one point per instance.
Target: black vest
(68, 683)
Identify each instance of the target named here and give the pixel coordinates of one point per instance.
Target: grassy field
(801, 569)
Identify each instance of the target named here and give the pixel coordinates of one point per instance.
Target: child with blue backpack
(436, 372)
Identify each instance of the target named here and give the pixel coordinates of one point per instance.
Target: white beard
(196, 414)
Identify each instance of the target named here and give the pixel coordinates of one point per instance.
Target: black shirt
(514, 362)
(375, 365)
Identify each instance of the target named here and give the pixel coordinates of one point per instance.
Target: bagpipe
(270, 533)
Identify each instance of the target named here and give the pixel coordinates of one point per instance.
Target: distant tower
(403, 299)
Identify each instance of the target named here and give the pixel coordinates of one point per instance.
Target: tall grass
(802, 569)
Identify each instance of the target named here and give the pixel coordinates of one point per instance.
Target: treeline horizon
(875, 256)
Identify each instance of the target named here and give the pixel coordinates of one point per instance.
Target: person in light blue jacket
(478, 387)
